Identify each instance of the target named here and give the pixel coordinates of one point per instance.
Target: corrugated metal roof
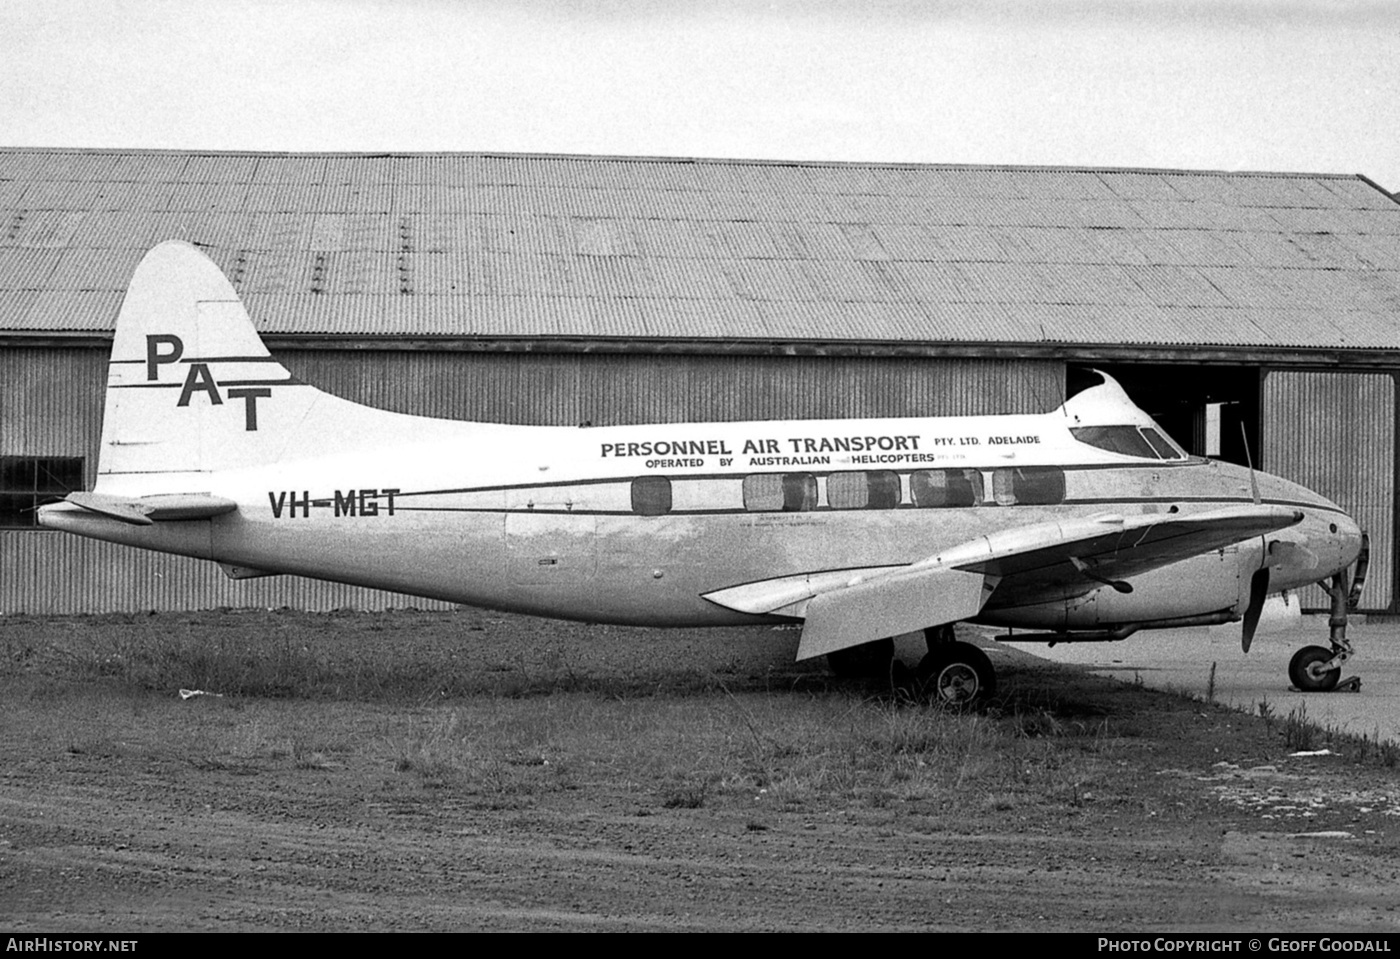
(536, 246)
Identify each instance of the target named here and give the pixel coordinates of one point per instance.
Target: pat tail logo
(164, 348)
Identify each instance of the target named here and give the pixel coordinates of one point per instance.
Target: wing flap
(888, 605)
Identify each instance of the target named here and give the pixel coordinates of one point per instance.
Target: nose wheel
(1311, 670)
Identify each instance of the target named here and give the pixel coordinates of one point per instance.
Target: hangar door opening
(1201, 407)
(1332, 432)
(1335, 433)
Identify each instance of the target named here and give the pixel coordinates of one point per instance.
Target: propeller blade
(1258, 591)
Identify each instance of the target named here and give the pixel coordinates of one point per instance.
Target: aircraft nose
(1325, 542)
(1335, 538)
(1347, 535)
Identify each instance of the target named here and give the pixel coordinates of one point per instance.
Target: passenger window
(1029, 486)
(799, 492)
(878, 489)
(651, 495)
(940, 489)
(763, 492)
(788, 492)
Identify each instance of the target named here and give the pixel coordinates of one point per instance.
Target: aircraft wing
(148, 510)
(1035, 563)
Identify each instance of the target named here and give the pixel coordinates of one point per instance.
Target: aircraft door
(548, 543)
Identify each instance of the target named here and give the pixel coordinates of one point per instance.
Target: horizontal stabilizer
(148, 510)
(890, 604)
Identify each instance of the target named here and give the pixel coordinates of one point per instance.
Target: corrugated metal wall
(51, 404)
(612, 389)
(1335, 433)
(45, 572)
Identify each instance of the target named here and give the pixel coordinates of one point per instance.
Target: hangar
(1240, 309)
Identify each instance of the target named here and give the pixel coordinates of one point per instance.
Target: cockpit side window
(1165, 448)
(1116, 439)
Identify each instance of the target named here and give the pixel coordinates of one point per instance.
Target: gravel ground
(474, 771)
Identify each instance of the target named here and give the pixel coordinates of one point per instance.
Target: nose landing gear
(1316, 669)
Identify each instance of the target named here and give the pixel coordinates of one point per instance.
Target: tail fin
(191, 388)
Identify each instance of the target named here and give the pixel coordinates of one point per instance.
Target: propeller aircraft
(1085, 523)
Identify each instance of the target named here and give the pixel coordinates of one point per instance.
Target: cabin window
(941, 489)
(877, 489)
(651, 495)
(1029, 486)
(786, 492)
(28, 482)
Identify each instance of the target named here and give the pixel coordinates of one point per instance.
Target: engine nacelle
(1216, 583)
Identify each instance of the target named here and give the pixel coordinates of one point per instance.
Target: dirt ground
(473, 771)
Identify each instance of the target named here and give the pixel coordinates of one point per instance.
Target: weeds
(510, 728)
(1300, 733)
(432, 751)
(685, 795)
(1267, 713)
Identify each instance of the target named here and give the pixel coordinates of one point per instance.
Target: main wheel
(1305, 670)
(867, 659)
(957, 674)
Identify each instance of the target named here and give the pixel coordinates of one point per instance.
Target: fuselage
(634, 524)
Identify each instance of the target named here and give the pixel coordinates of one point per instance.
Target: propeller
(1258, 590)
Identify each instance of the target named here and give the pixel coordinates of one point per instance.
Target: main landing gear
(1317, 669)
(952, 673)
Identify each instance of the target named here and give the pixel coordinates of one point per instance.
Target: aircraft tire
(957, 674)
(863, 661)
(1304, 677)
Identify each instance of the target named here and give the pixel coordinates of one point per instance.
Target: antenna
(1249, 461)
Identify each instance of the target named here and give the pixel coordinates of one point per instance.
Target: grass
(786, 752)
(1302, 734)
(538, 719)
(506, 725)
